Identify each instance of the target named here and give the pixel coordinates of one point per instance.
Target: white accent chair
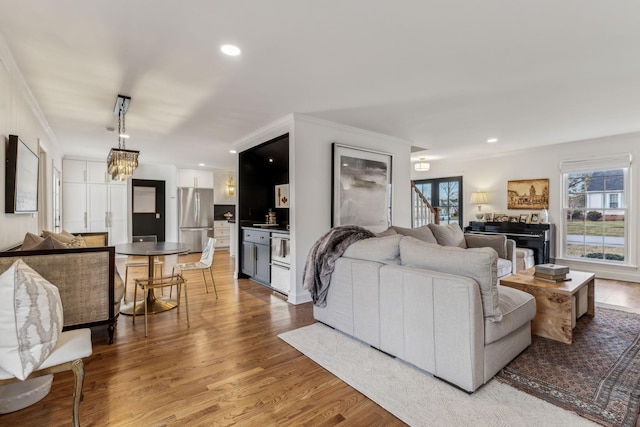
(71, 348)
(206, 260)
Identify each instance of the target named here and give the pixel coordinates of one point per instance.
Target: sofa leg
(111, 329)
(77, 366)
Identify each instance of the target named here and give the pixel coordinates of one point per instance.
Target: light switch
(157, 216)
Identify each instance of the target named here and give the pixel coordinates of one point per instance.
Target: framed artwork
(514, 219)
(528, 194)
(488, 217)
(282, 196)
(534, 218)
(361, 190)
(524, 218)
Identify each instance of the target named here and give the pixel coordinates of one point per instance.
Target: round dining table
(150, 250)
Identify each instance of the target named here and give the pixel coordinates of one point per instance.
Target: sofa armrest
(511, 254)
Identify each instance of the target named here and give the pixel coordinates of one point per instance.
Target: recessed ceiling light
(231, 50)
(492, 140)
(201, 164)
(233, 151)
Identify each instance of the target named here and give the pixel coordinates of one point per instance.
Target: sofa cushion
(448, 235)
(479, 264)
(380, 249)
(421, 233)
(517, 308)
(30, 240)
(497, 242)
(30, 319)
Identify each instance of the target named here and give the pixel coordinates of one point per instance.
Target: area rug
(598, 376)
(417, 398)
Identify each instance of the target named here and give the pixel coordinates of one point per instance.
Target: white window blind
(619, 161)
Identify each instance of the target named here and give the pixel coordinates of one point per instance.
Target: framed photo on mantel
(361, 187)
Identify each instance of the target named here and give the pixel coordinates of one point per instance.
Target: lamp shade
(478, 198)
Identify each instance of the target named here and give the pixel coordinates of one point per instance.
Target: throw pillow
(30, 240)
(448, 235)
(388, 232)
(77, 242)
(421, 233)
(379, 249)
(47, 243)
(30, 319)
(61, 237)
(497, 242)
(479, 264)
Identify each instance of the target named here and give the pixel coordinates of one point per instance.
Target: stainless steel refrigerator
(195, 216)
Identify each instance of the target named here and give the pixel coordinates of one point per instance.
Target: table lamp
(479, 198)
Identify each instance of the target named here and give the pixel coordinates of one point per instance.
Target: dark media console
(533, 236)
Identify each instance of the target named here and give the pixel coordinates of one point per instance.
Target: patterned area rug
(598, 376)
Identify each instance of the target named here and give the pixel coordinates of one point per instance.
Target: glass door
(446, 194)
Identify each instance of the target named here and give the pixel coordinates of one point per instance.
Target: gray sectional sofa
(437, 307)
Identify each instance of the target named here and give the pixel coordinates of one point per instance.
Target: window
(443, 193)
(595, 210)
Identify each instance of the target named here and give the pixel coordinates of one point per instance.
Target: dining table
(151, 250)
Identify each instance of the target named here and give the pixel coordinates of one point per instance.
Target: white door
(97, 207)
(118, 214)
(74, 171)
(74, 207)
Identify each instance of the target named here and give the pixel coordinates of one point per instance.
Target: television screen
(21, 177)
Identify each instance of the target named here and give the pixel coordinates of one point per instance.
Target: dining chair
(157, 263)
(150, 283)
(206, 260)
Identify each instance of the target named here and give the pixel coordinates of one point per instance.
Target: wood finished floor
(228, 368)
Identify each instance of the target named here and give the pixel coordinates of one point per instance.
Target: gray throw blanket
(322, 258)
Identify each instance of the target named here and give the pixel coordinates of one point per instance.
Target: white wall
(20, 116)
(310, 180)
(491, 175)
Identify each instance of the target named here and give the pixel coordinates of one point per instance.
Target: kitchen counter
(278, 229)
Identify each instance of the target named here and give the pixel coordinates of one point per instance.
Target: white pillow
(30, 319)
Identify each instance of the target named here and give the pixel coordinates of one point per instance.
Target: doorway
(444, 193)
(148, 208)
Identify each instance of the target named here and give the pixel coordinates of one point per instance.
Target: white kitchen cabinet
(222, 233)
(91, 202)
(195, 178)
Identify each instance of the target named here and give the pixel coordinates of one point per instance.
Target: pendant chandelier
(122, 162)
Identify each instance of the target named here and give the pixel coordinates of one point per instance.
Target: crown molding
(348, 128)
(6, 57)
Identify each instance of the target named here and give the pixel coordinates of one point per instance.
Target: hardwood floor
(228, 368)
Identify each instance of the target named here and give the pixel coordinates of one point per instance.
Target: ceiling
(445, 76)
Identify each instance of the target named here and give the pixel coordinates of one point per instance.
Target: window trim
(621, 161)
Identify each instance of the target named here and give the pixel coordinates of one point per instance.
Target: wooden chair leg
(126, 276)
(186, 303)
(146, 294)
(135, 296)
(77, 366)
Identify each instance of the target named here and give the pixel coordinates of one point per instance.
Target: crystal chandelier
(122, 162)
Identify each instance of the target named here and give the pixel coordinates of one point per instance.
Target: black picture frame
(21, 177)
(361, 187)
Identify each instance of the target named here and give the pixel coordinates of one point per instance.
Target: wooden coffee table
(554, 301)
